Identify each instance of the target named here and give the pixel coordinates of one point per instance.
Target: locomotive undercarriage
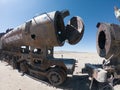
(54, 70)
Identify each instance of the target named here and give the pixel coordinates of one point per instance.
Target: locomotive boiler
(29, 47)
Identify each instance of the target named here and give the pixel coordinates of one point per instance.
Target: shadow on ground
(76, 82)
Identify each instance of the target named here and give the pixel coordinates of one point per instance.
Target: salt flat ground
(12, 80)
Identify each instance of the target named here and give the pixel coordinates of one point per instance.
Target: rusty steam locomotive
(29, 47)
(106, 75)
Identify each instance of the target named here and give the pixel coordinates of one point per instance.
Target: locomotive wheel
(64, 74)
(23, 67)
(56, 77)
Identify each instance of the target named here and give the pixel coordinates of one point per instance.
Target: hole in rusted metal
(33, 36)
(102, 40)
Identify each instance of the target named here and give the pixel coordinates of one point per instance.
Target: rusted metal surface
(108, 40)
(108, 46)
(30, 46)
(75, 30)
(96, 72)
(50, 25)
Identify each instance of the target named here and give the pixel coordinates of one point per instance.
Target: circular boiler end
(104, 41)
(60, 28)
(75, 30)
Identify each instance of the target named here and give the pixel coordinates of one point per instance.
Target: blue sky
(16, 12)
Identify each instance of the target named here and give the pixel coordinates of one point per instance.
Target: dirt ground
(12, 80)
